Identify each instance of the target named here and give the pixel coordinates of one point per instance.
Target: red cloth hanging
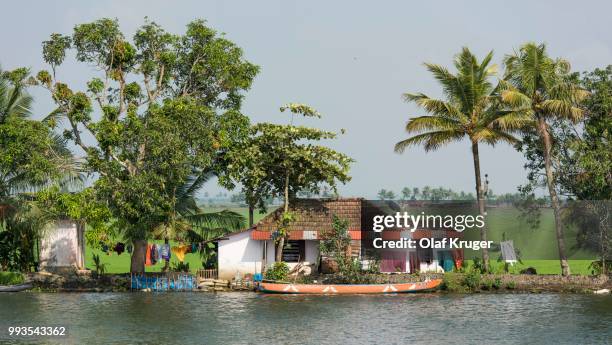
(458, 257)
(148, 256)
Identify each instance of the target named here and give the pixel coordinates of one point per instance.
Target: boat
(333, 289)
(15, 288)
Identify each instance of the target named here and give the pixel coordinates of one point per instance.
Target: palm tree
(471, 110)
(188, 222)
(14, 102)
(536, 86)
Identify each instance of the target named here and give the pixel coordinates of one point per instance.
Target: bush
(452, 283)
(497, 283)
(511, 285)
(279, 271)
(596, 267)
(180, 267)
(472, 280)
(487, 285)
(11, 278)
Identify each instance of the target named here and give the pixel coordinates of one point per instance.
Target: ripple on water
(247, 318)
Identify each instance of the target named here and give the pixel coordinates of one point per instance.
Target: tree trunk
(543, 129)
(481, 203)
(281, 242)
(138, 256)
(251, 217)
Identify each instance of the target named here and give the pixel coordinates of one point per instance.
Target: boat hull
(325, 289)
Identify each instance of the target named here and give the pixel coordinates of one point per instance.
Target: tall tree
(538, 87)
(164, 107)
(31, 158)
(283, 160)
(471, 110)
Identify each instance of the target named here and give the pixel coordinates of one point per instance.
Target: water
(249, 318)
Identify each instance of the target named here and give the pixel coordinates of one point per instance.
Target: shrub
(511, 285)
(452, 283)
(472, 280)
(180, 267)
(279, 271)
(497, 283)
(487, 285)
(11, 278)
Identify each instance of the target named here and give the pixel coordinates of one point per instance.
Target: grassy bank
(11, 278)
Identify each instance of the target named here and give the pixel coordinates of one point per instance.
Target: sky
(351, 60)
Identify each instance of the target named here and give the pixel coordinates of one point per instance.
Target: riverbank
(463, 283)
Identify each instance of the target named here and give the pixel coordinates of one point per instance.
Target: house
(62, 247)
(251, 250)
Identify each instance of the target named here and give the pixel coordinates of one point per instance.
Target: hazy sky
(351, 60)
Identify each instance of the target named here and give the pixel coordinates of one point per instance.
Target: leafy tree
(384, 194)
(537, 87)
(164, 108)
(283, 160)
(406, 193)
(31, 157)
(471, 110)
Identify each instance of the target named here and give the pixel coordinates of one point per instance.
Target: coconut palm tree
(537, 86)
(188, 222)
(14, 102)
(470, 110)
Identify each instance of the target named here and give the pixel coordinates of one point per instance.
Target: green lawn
(121, 263)
(544, 267)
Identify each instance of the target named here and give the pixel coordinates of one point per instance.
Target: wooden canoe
(323, 289)
(15, 288)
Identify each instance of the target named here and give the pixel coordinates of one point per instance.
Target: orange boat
(328, 289)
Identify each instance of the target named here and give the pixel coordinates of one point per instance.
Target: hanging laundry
(158, 250)
(153, 254)
(119, 248)
(165, 251)
(148, 256)
(180, 252)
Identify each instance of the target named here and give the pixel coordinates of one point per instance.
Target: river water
(250, 318)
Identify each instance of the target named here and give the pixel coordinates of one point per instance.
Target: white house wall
(239, 254)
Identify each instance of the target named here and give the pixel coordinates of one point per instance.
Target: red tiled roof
(313, 216)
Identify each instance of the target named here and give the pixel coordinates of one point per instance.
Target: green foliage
(278, 272)
(100, 268)
(472, 280)
(511, 285)
(335, 243)
(175, 119)
(82, 206)
(11, 278)
(180, 267)
(452, 282)
(597, 267)
(497, 283)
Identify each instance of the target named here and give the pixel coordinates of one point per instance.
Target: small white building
(62, 247)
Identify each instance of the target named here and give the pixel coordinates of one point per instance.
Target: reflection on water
(249, 318)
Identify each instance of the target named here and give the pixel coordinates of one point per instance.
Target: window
(293, 251)
(425, 254)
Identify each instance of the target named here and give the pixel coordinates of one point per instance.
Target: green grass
(580, 267)
(11, 278)
(538, 244)
(121, 263)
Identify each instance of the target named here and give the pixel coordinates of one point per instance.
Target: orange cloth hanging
(148, 256)
(180, 252)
